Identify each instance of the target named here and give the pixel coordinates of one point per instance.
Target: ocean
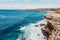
(13, 23)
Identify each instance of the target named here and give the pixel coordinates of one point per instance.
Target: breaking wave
(15, 24)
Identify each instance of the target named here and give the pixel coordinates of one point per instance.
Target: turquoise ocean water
(12, 20)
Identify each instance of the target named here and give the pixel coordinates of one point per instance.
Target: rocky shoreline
(53, 26)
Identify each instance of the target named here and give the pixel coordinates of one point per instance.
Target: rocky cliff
(53, 26)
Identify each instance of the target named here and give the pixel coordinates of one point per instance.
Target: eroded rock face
(53, 21)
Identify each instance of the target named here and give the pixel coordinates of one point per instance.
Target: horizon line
(24, 8)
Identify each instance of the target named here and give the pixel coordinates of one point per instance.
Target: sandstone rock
(54, 19)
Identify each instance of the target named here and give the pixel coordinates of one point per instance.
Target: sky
(29, 4)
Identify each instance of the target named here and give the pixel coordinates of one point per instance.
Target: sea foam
(32, 32)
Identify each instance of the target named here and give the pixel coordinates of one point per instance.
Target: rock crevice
(53, 26)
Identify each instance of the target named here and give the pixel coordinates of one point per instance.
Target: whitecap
(22, 28)
(31, 31)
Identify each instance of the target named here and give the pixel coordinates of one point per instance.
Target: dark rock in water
(42, 24)
(23, 38)
(36, 25)
(44, 37)
(38, 34)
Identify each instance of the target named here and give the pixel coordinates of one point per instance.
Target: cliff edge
(53, 26)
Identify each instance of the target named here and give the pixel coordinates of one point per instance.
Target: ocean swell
(13, 23)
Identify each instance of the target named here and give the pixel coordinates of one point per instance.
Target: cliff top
(54, 19)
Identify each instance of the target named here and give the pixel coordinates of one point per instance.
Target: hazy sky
(23, 4)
